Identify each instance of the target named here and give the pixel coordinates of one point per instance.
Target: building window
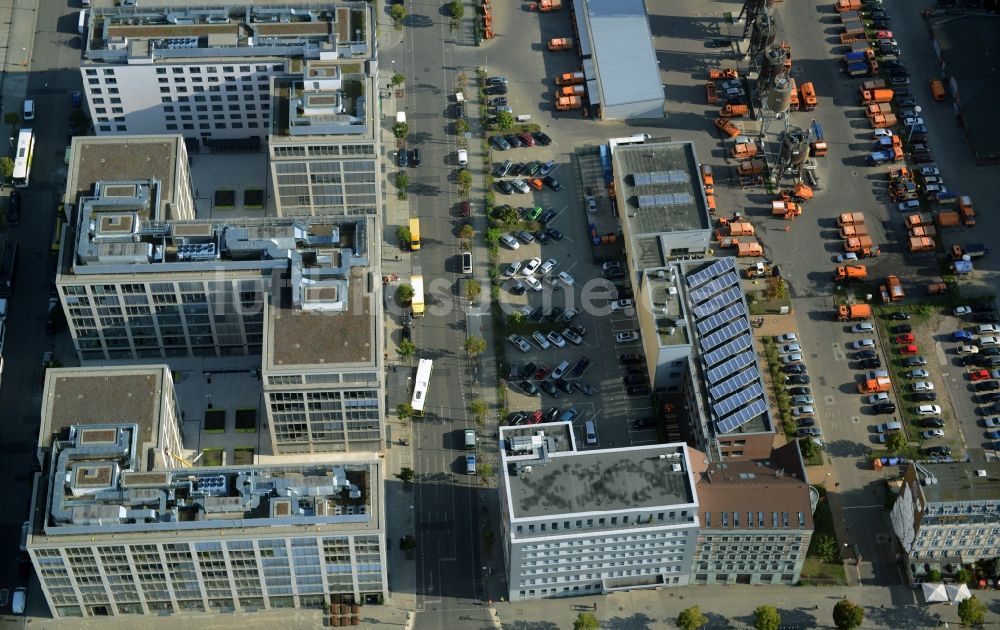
(171, 127)
(91, 72)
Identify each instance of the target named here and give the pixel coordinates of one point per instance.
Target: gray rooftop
(599, 481)
(961, 481)
(84, 396)
(623, 49)
(666, 307)
(298, 336)
(659, 184)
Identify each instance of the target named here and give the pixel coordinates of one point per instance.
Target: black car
(924, 396)
(989, 398)
(516, 418)
(899, 71)
(866, 354)
(631, 357)
(554, 234)
(549, 388)
(914, 361)
(799, 391)
(898, 315)
(403, 158)
(460, 110)
(978, 307)
(892, 63)
(584, 388)
(504, 186)
(500, 101)
(917, 136)
(528, 370)
(969, 359)
(615, 273)
(581, 366)
(552, 182)
(797, 379)
(531, 168)
(541, 138)
(547, 216)
(797, 368)
(554, 314)
(986, 318)
(529, 388)
(564, 385)
(515, 169)
(499, 143)
(551, 414)
(986, 386)
(878, 14)
(884, 407)
(638, 390)
(923, 157)
(932, 423)
(938, 451)
(500, 88)
(541, 237)
(644, 423)
(637, 379)
(993, 351)
(906, 101)
(536, 314)
(578, 329)
(14, 208)
(719, 42)
(901, 329)
(514, 141)
(869, 364)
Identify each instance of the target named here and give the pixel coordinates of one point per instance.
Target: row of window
(601, 522)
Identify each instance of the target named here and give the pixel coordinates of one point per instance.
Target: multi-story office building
(756, 516)
(947, 515)
(593, 521)
(205, 72)
(120, 526)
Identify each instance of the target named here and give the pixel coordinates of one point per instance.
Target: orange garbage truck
(560, 43)
(727, 127)
(853, 312)
(733, 110)
(751, 167)
(851, 231)
(921, 244)
(570, 78)
(850, 273)
(564, 103)
(808, 94)
(850, 218)
(875, 385)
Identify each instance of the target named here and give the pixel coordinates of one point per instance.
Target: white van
(466, 262)
(28, 111)
(17, 604)
(470, 439)
(591, 433)
(463, 157)
(81, 23)
(401, 117)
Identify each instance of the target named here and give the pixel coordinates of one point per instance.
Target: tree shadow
(637, 620)
(417, 20)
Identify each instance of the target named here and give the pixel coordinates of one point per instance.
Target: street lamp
(916, 110)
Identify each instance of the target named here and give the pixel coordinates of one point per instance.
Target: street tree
(964, 576)
(475, 346)
(404, 293)
(478, 407)
(766, 618)
(455, 9)
(398, 13)
(6, 167)
(461, 126)
(402, 184)
(691, 619)
(972, 612)
(847, 615)
(826, 547)
(895, 442)
(400, 129)
(473, 289)
(586, 621)
(466, 232)
(505, 120)
(515, 319)
(486, 470)
(464, 179)
(509, 215)
(404, 411)
(405, 474)
(397, 79)
(405, 348)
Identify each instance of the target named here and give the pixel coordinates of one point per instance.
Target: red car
(535, 417)
(979, 375)
(543, 371)
(907, 338)
(883, 35)
(464, 209)
(527, 139)
(908, 349)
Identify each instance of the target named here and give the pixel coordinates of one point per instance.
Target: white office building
(594, 521)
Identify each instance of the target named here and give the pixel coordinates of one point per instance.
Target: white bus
(22, 161)
(420, 387)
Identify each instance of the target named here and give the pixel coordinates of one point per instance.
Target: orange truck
(546, 5)
(921, 244)
(751, 167)
(733, 110)
(917, 220)
(737, 228)
(875, 385)
(923, 230)
(894, 288)
(727, 127)
(707, 178)
(850, 273)
(965, 207)
(874, 109)
(710, 94)
(749, 250)
(858, 244)
(883, 121)
(564, 103)
(808, 94)
(744, 148)
(853, 312)
(560, 43)
(850, 218)
(882, 95)
(848, 5)
(570, 78)
(571, 90)
(947, 219)
(851, 231)
(728, 73)
(793, 102)
(785, 209)
(853, 32)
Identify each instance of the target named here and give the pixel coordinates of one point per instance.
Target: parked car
(928, 410)
(556, 339)
(862, 344)
(924, 397)
(520, 343)
(872, 362)
(914, 361)
(918, 373)
(863, 327)
(627, 336)
(617, 305)
(509, 241)
(884, 407)
(540, 339)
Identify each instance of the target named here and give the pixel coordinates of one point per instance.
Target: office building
(756, 516)
(947, 515)
(120, 525)
(206, 72)
(593, 521)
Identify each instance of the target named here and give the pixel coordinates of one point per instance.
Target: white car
(992, 423)
(591, 204)
(988, 329)
(572, 336)
(882, 133)
(565, 277)
(962, 310)
(804, 410)
(918, 373)
(556, 339)
(790, 348)
(520, 342)
(909, 121)
(548, 266)
(512, 268)
(618, 305)
(509, 241)
(786, 338)
(533, 284)
(625, 337)
(862, 344)
(929, 170)
(848, 257)
(877, 398)
(540, 339)
(463, 157)
(932, 433)
(967, 349)
(532, 266)
(789, 359)
(519, 185)
(986, 342)
(909, 205)
(874, 374)
(929, 410)
(923, 386)
(863, 327)
(569, 314)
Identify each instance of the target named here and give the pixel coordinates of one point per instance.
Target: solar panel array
(712, 322)
(717, 268)
(737, 400)
(728, 386)
(661, 177)
(701, 294)
(723, 335)
(717, 303)
(736, 345)
(731, 366)
(665, 199)
(741, 417)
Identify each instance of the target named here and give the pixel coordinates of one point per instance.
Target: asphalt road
(53, 78)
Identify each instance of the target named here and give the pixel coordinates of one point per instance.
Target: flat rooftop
(82, 396)
(665, 295)
(109, 158)
(530, 439)
(660, 187)
(600, 481)
(961, 481)
(298, 336)
(339, 105)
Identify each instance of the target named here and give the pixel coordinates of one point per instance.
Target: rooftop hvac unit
(677, 468)
(527, 469)
(672, 290)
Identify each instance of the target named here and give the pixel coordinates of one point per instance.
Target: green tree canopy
(475, 346)
(509, 215)
(505, 120)
(586, 621)
(397, 79)
(766, 618)
(455, 9)
(691, 619)
(406, 348)
(972, 612)
(404, 292)
(895, 442)
(6, 167)
(400, 129)
(473, 289)
(405, 474)
(847, 615)
(466, 232)
(398, 13)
